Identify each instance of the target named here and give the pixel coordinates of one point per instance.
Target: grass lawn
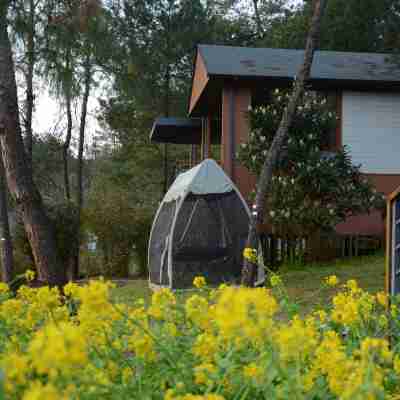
(303, 283)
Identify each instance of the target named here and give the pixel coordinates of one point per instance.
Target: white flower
(263, 138)
(272, 214)
(244, 145)
(254, 158)
(265, 152)
(292, 181)
(276, 91)
(287, 214)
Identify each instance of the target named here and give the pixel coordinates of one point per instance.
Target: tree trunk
(82, 128)
(29, 83)
(38, 227)
(67, 143)
(260, 30)
(6, 247)
(167, 94)
(258, 210)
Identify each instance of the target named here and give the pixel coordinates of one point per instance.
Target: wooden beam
(193, 155)
(206, 138)
(388, 261)
(228, 129)
(339, 121)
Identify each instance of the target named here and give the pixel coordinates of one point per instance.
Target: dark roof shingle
(284, 63)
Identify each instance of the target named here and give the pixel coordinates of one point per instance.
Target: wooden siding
(235, 130)
(245, 181)
(373, 223)
(370, 129)
(200, 80)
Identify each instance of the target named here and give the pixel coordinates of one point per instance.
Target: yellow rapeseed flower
(162, 306)
(382, 298)
(29, 275)
(245, 313)
(205, 346)
(253, 371)
(332, 280)
(275, 280)
(58, 349)
(352, 285)
(4, 288)
(321, 314)
(376, 349)
(16, 369)
(197, 308)
(396, 364)
(203, 374)
(127, 375)
(296, 340)
(345, 309)
(199, 282)
(38, 391)
(250, 254)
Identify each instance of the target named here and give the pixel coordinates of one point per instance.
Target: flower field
(226, 343)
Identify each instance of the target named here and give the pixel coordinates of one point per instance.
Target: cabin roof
(330, 70)
(285, 63)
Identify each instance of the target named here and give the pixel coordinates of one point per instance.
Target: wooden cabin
(226, 81)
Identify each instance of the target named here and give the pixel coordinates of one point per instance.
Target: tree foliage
(351, 25)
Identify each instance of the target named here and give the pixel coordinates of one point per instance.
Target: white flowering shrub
(313, 187)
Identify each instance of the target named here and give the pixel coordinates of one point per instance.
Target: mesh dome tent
(200, 228)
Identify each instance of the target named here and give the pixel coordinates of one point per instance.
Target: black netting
(158, 250)
(209, 237)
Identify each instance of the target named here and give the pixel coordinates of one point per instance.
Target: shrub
(226, 343)
(312, 189)
(119, 222)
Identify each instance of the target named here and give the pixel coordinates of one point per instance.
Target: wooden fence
(320, 248)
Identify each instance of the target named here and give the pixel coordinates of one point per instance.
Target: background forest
(133, 59)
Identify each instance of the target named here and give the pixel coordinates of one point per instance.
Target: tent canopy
(205, 178)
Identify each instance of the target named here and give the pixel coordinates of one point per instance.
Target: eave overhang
(176, 130)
